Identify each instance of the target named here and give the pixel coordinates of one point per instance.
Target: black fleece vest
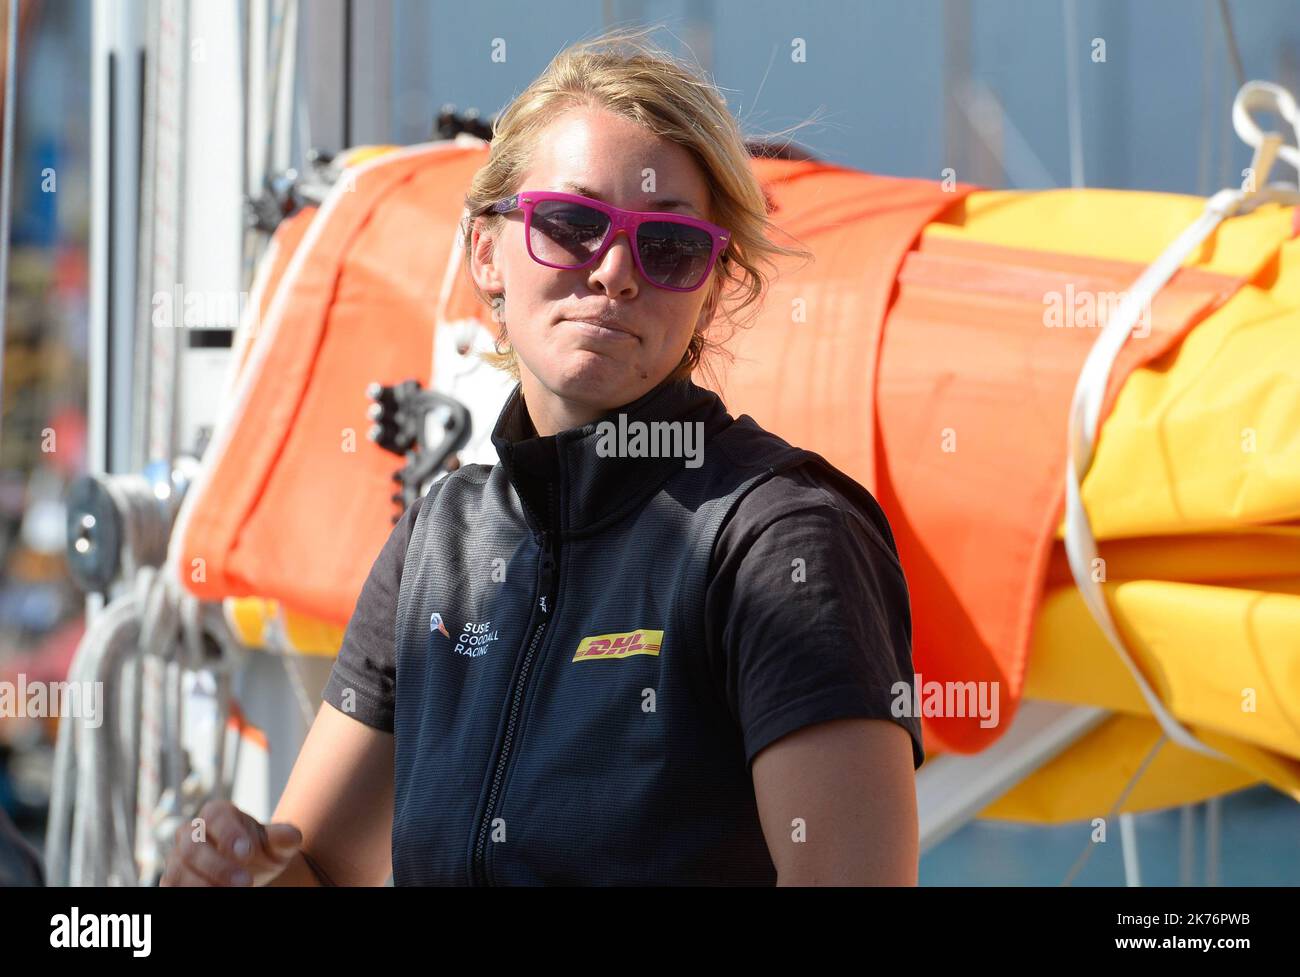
(556, 721)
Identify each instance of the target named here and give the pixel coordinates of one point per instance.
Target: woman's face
(571, 370)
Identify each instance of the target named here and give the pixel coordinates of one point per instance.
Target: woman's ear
(482, 259)
(710, 307)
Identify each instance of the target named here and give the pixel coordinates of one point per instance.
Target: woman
(654, 644)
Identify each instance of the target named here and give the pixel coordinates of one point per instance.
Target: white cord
(1085, 410)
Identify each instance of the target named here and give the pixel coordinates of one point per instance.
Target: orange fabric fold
(981, 353)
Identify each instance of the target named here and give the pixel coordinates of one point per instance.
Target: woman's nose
(616, 269)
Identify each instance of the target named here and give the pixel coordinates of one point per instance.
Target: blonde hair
(623, 73)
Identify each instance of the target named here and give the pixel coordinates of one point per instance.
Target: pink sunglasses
(564, 230)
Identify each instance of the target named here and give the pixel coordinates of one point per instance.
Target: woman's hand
(333, 825)
(236, 849)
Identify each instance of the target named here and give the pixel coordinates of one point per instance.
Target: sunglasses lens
(674, 255)
(565, 233)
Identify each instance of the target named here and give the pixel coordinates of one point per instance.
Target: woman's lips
(598, 330)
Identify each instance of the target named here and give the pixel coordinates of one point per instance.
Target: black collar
(565, 484)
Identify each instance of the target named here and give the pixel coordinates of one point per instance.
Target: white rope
(146, 521)
(1085, 409)
(1089, 391)
(83, 811)
(167, 236)
(158, 627)
(1265, 96)
(95, 822)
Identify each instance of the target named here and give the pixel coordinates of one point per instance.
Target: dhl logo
(619, 645)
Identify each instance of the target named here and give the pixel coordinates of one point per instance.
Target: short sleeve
(362, 683)
(812, 615)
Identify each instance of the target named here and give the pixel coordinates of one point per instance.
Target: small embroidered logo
(619, 645)
(475, 639)
(435, 624)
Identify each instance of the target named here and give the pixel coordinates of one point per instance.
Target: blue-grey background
(885, 75)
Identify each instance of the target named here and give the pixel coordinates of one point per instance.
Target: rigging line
(1020, 164)
(1234, 56)
(1091, 846)
(347, 76)
(1069, 12)
(283, 33)
(7, 169)
(1207, 101)
(1230, 36)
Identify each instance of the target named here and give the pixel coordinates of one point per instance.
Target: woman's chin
(599, 378)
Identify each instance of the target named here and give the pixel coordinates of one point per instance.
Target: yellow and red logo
(618, 645)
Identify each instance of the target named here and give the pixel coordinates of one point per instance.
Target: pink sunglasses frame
(619, 220)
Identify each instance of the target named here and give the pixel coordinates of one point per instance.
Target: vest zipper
(546, 607)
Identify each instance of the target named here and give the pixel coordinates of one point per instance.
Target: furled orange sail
(293, 502)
